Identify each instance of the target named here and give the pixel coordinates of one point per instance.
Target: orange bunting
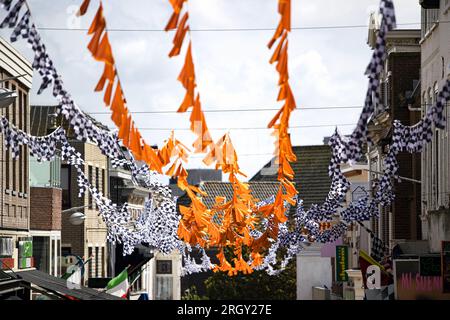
(101, 50)
(187, 77)
(276, 212)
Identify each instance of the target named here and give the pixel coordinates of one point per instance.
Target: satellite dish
(77, 218)
(7, 97)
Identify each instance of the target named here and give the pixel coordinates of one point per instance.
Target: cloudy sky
(326, 65)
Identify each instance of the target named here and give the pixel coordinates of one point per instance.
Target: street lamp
(77, 217)
(7, 97)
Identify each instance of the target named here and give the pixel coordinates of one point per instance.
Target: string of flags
(187, 75)
(284, 154)
(156, 225)
(233, 223)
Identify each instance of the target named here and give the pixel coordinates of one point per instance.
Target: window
(90, 199)
(65, 186)
(14, 174)
(21, 110)
(102, 261)
(164, 266)
(14, 162)
(7, 167)
(97, 178)
(428, 18)
(164, 280)
(97, 262)
(13, 211)
(53, 258)
(91, 263)
(14, 109)
(58, 255)
(104, 182)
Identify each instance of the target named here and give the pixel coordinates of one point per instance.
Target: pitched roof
(260, 190)
(311, 173)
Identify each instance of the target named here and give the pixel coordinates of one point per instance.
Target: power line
(231, 110)
(250, 128)
(356, 26)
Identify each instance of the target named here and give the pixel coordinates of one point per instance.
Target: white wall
(312, 271)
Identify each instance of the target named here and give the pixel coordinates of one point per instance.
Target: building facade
(15, 240)
(87, 239)
(158, 275)
(400, 87)
(45, 207)
(435, 70)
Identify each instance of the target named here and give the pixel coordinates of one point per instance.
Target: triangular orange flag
(83, 8)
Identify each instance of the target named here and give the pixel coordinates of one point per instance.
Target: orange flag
(83, 8)
(179, 36)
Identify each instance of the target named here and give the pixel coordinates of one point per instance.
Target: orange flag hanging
(83, 8)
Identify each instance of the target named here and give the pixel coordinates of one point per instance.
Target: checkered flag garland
(333, 234)
(83, 127)
(6, 4)
(377, 249)
(21, 30)
(13, 14)
(351, 150)
(361, 210)
(190, 266)
(157, 225)
(289, 238)
(414, 138)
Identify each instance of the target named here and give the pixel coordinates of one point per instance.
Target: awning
(59, 285)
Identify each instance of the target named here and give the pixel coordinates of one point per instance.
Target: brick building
(89, 238)
(400, 100)
(14, 187)
(45, 206)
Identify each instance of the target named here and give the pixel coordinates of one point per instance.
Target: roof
(14, 63)
(260, 190)
(59, 285)
(311, 173)
(41, 118)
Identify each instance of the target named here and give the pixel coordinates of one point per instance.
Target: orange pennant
(83, 8)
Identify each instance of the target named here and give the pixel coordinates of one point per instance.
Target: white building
(435, 69)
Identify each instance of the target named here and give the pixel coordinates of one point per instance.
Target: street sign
(341, 263)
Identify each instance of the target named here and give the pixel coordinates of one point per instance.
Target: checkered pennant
(22, 28)
(377, 249)
(6, 4)
(11, 18)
